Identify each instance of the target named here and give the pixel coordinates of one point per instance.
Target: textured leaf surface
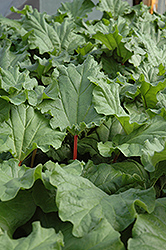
(16, 212)
(151, 84)
(74, 107)
(25, 128)
(101, 237)
(114, 40)
(13, 178)
(12, 79)
(77, 8)
(145, 141)
(50, 38)
(117, 177)
(4, 110)
(9, 58)
(85, 205)
(40, 238)
(114, 9)
(149, 231)
(45, 199)
(106, 98)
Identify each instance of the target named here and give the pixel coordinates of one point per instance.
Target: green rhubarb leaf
(75, 168)
(26, 9)
(89, 144)
(149, 231)
(41, 66)
(111, 40)
(147, 42)
(86, 206)
(150, 83)
(63, 154)
(39, 239)
(16, 98)
(114, 40)
(14, 24)
(111, 66)
(10, 58)
(107, 101)
(44, 198)
(21, 134)
(4, 110)
(160, 108)
(49, 38)
(14, 83)
(101, 237)
(114, 8)
(147, 142)
(106, 97)
(16, 212)
(85, 49)
(14, 178)
(117, 177)
(74, 108)
(77, 8)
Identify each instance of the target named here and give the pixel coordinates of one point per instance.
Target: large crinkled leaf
(16, 212)
(101, 237)
(149, 231)
(39, 239)
(11, 80)
(21, 134)
(49, 38)
(114, 40)
(10, 58)
(86, 206)
(160, 108)
(107, 101)
(77, 8)
(106, 97)
(14, 24)
(16, 86)
(68, 39)
(147, 43)
(148, 142)
(150, 83)
(74, 107)
(40, 67)
(106, 131)
(13, 178)
(114, 8)
(117, 177)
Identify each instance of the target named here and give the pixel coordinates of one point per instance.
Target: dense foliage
(104, 81)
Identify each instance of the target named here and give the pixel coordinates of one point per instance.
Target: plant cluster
(98, 86)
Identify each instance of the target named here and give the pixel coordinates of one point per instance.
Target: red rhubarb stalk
(75, 147)
(19, 164)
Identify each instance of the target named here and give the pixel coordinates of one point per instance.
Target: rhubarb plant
(83, 128)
